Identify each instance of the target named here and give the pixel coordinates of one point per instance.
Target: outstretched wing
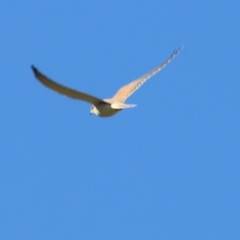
(64, 90)
(124, 92)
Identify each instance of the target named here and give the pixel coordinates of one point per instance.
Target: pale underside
(104, 107)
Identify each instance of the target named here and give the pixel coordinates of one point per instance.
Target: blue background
(167, 169)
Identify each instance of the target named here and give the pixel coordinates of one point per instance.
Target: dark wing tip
(34, 69)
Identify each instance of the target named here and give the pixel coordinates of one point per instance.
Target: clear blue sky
(167, 169)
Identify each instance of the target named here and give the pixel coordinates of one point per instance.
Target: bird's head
(94, 110)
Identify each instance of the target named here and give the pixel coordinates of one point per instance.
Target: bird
(104, 107)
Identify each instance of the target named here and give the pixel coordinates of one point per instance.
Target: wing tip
(178, 50)
(34, 69)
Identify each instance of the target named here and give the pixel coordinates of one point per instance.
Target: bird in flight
(104, 107)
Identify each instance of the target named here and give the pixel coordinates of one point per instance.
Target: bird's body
(104, 107)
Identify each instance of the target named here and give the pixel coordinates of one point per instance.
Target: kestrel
(104, 107)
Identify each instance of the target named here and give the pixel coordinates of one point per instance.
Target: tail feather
(120, 105)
